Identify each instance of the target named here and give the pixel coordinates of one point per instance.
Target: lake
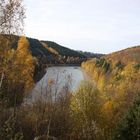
(56, 79)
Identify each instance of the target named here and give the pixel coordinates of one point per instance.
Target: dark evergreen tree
(129, 128)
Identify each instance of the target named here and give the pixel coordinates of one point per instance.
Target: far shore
(64, 65)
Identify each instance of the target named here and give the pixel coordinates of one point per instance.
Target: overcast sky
(101, 26)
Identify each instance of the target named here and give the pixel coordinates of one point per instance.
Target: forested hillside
(126, 56)
(39, 49)
(117, 77)
(63, 51)
(47, 53)
(91, 54)
(50, 49)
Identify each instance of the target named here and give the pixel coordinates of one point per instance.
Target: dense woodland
(105, 107)
(117, 76)
(51, 52)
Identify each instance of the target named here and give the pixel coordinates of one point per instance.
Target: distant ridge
(49, 52)
(91, 55)
(131, 54)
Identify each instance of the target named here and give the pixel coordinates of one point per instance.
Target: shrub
(129, 128)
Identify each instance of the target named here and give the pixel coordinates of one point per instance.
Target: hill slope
(114, 63)
(91, 55)
(37, 47)
(53, 53)
(125, 56)
(50, 52)
(63, 51)
(117, 77)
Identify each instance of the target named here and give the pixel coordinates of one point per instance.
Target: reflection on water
(57, 79)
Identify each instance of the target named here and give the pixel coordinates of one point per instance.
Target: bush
(120, 65)
(137, 66)
(86, 113)
(129, 128)
(10, 130)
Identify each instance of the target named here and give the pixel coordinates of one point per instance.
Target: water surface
(57, 79)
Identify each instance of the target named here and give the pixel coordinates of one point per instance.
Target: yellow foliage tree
(25, 62)
(86, 112)
(16, 71)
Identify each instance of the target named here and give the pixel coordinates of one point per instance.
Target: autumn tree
(12, 14)
(86, 107)
(25, 62)
(129, 127)
(11, 90)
